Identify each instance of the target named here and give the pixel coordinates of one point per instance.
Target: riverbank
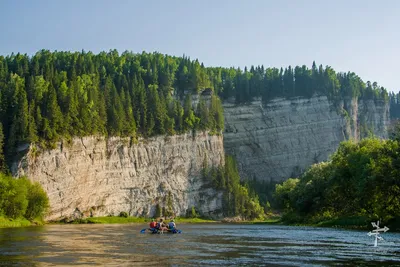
(360, 223)
(20, 222)
(6, 222)
(355, 222)
(122, 220)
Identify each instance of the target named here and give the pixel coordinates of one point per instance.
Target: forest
(239, 199)
(52, 96)
(58, 95)
(394, 100)
(361, 180)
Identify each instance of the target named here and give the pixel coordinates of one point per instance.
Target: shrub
(123, 214)
(193, 213)
(20, 198)
(38, 202)
(158, 211)
(15, 200)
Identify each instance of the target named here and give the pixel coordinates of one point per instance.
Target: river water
(198, 245)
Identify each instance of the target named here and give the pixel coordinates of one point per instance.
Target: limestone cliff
(98, 176)
(284, 137)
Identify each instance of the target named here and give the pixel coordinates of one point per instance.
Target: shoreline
(15, 223)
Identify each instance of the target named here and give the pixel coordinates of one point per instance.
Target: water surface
(198, 245)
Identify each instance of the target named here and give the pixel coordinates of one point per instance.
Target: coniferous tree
(53, 95)
(2, 157)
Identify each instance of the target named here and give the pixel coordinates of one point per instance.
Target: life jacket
(153, 225)
(171, 225)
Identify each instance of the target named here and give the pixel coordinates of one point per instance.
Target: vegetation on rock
(20, 199)
(238, 199)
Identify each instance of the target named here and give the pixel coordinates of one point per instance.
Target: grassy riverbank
(361, 223)
(20, 222)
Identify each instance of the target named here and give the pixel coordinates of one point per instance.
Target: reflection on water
(198, 245)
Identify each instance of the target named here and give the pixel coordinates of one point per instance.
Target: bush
(194, 213)
(158, 211)
(123, 214)
(38, 202)
(20, 198)
(15, 199)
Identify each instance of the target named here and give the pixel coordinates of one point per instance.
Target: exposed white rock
(99, 176)
(284, 137)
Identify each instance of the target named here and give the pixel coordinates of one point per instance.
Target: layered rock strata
(95, 176)
(283, 138)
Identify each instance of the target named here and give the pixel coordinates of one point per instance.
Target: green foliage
(394, 100)
(238, 198)
(19, 198)
(193, 213)
(360, 180)
(8, 222)
(290, 82)
(394, 130)
(158, 211)
(2, 158)
(123, 214)
(38, 202)
(59, 95)
(54, 95)
(265, 190)
(283, 192)
(168, 210)
(14, 197)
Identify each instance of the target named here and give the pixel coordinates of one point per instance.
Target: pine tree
(2, 157)
(54, 114)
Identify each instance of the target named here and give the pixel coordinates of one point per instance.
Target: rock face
(373, 119)
(284, 137)
(98, 176)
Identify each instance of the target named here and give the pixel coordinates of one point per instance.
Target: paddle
(143, 230)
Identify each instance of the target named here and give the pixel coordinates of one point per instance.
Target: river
(198, 245)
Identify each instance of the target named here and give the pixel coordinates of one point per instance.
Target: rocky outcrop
(101, 176)
(373, 118)
(284, 137)
(98, 176)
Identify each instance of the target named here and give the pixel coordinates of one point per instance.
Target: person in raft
(172, 225)
(161, 226)
(153, 224)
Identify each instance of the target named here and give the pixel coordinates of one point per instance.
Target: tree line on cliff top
(53, 95)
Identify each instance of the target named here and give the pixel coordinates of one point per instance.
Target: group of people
(162, 226)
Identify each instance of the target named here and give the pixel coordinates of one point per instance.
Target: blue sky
(354, 35)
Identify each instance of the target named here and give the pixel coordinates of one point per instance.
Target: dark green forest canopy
(394, 105)
(53, 95)
(361, 179)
